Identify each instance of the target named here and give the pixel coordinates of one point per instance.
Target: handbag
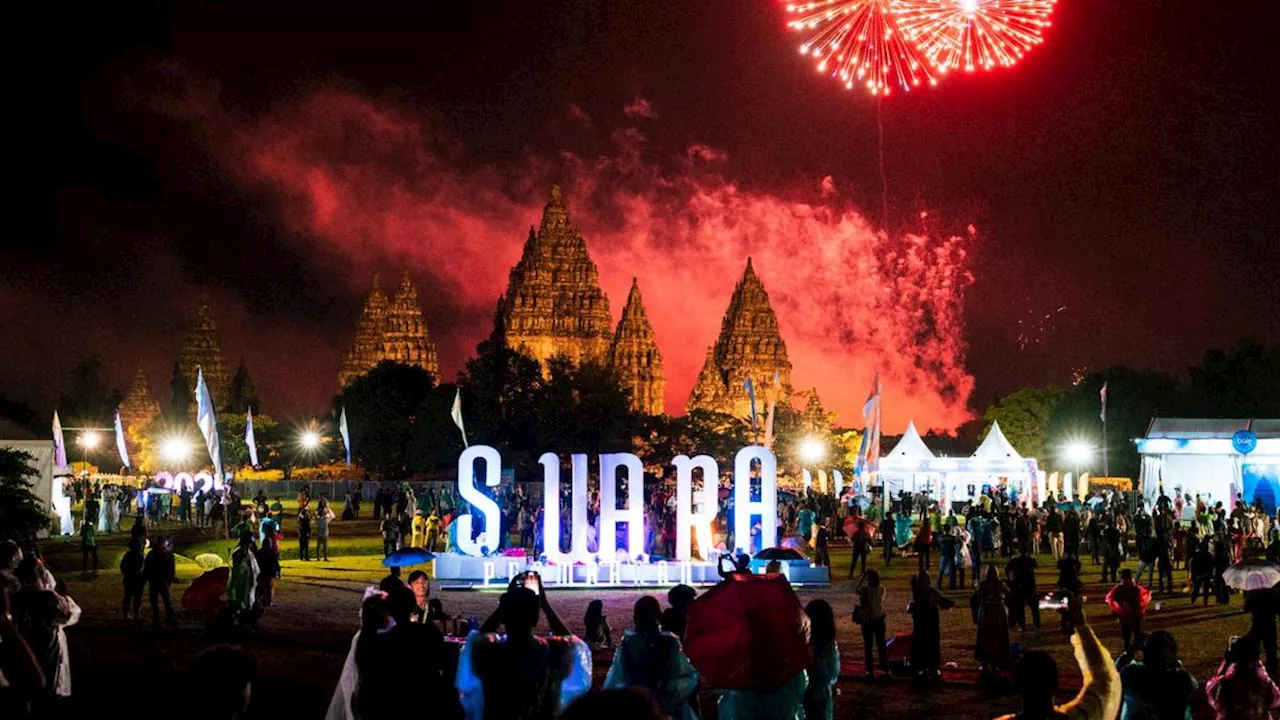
(860, 614)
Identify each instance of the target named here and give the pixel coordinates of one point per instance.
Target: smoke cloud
(372, 185)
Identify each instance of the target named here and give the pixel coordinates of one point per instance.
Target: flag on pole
(249, 440)
(59, 443)
(345, 432)
(869, 452)
(773, 405)
(1102, 394)
(120, 445)
(456, 414)
(207, 419)
(751, 395)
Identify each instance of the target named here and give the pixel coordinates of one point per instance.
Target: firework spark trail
(973, 34)
(859, 43)
(372, 186)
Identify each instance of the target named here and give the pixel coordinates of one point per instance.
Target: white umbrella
(1252, 575)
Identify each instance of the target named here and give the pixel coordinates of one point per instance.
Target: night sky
(1124, 180)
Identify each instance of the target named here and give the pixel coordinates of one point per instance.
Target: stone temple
(201, 349)
(554, 306)
(636, 357)
(139, 407)
(749, 345)
(394, 330)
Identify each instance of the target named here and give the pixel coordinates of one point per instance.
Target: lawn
(304, 637)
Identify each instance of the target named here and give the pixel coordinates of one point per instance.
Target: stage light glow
(309, 440)
(89, 439)
(812, 451)
(175, 449)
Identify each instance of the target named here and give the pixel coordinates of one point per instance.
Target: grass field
(304, 637)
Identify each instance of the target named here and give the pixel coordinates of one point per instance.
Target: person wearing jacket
(159, 570)
(1242, 690)
(652, 658)
(1158, 686)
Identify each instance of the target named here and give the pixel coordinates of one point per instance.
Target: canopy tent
(904, 467)
(913, 467)
(1204, 458)
(44, 486)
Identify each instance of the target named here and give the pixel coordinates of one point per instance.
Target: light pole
(88, 440)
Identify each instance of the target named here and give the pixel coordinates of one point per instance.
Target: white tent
(41, 452)
(912, 466)
(996, 446)
(1201, 457)
(905, 466)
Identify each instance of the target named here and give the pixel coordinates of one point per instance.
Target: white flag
(120, 445)
(207, 419)
(59, 443)
(1102, 395)
(346, 434)
(456, 414)
(248, 437)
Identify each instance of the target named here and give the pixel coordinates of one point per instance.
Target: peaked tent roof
(996, 446)
(911, 446)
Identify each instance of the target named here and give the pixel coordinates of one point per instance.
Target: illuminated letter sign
(687, 519)
(480, 501)
(744, 507)
(610, 515)
(551, 510)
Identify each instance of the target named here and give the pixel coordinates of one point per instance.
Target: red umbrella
(856, 524)
(1124, 612)
(748, 633)
(209, 586)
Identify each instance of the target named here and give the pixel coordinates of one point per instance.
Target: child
(598, 634)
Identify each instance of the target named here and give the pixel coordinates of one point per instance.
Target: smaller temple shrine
(139, 407)
(394, 330)
(749, 346)
(636, 357)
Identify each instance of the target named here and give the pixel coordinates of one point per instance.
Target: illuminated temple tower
(554, 304)
(554, 307)
(749, 346)
(815, 418)
(394, 330)
(138, 407)
(201, 349)
(636, 357)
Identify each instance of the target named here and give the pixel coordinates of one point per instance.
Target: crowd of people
(502, 668)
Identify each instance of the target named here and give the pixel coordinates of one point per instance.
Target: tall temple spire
(636, 358)
(394, 330)
(201, 350)
(554, 304)
(749, 345)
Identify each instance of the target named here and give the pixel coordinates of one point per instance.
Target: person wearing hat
(1158, 686)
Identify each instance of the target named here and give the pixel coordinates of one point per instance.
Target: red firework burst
(973, 34)
(859, 43)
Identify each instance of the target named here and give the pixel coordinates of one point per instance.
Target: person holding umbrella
(748, 639)
(1261, 606)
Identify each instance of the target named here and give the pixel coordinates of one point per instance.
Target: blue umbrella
(407, 556)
